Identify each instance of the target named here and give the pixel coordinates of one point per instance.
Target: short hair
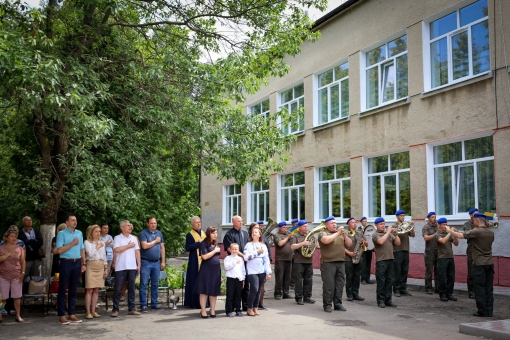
(194, 218)
(236, 217)
(12, 230)
(68, 216)
(90, 230)
(61, 227)
(150, 218)
(104, 224)
(24, 218)
(234, 244)
(123, 222)
(208, 232)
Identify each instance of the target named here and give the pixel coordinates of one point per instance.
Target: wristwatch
(23, 273)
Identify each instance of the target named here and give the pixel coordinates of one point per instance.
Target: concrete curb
(497, 330)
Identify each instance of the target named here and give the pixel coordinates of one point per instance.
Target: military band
(352, 269)
(430, 255)
(366, 258)
(333, 242)
(401, 262)
(302, 270)
(445, 262)
(283, 262)
(470, 225)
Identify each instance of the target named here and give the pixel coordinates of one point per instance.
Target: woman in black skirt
(209, 274)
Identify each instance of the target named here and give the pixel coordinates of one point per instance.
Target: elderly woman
(209, 274)
(12, 269)
(258, 267)
(97, 269)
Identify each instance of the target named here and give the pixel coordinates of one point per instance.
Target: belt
(72, 260)
(151, 260)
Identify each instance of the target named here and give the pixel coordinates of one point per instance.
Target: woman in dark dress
(193, 240)
(209, 275)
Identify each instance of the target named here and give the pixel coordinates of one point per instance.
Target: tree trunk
(48, 232)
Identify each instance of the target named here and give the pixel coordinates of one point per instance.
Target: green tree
(110, 109)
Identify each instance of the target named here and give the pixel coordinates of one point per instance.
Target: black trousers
(303, 274)
(333, 281)
(122, 276)
(352, 278)
(446, 273)
(400, 268)
(234, 291)
(430, 257)
(366, 260)
(483, 278)
(470, 284)
(282, 273)
(384, 277)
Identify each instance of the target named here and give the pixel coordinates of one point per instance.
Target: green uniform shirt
(481, 242)
(333, 251)
(444, 251)
(383, 251)
(282, 253)
(429, 229)
(298, 257)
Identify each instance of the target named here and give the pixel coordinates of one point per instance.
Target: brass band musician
(401, 262)
(283, 262)
(353, 270)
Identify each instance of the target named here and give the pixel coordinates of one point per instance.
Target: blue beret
(430, 214)
(479, 215)
(442, 220)
(302, 222)
(282, 224)
(294, 220)
(472, 210)
(260, 222)
(378, 220)
(400, 212)
(363, 218)
(329, 218)
(352, 218)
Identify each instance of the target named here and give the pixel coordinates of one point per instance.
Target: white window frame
(254, 195)
(366, 189)
(266, 113)
(317, 89)
(280, 195)
(364, 68)
(317, 192)
(427, 66)
(431, 189)
(229, 199)
(289, 103)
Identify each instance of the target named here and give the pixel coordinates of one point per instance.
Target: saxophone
(307, 251)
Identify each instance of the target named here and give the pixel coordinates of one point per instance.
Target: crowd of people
(248, 264)
(342, 263)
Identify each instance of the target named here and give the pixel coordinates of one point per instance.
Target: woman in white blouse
(258, 267)
(97, 269)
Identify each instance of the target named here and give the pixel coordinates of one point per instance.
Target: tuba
(404, 227)
(307, 251)
(268, 230)
(359, 249)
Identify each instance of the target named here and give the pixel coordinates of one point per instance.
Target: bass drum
(369, 232)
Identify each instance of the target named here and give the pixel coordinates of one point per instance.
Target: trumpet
(491, 224)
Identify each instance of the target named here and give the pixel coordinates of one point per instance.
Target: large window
(333, 93)
(386, 73)
(259, 196)
(458, 45)
(232, 202)
(335, 191)
(293, 196)
(389, 187)
(261, 108)
(464, 176)
(293, 99)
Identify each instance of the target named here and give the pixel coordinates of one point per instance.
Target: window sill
(478, 78)
(299, 133)
(400, 102)
(332, 123)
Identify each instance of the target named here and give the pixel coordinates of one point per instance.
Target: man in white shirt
(126, 252)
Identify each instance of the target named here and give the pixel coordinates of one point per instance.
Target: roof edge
(333, 13)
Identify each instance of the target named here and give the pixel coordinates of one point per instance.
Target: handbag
(37, 287)
(41, 253)
(110, 280)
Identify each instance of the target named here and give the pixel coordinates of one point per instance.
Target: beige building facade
(406, 106)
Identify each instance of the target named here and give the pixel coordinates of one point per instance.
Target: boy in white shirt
(235, 272)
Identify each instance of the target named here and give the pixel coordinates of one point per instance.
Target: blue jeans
(69, 276)
(120, 277)
(149, 270)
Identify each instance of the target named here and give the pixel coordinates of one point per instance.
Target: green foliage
(111, 109)
(174, 276)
